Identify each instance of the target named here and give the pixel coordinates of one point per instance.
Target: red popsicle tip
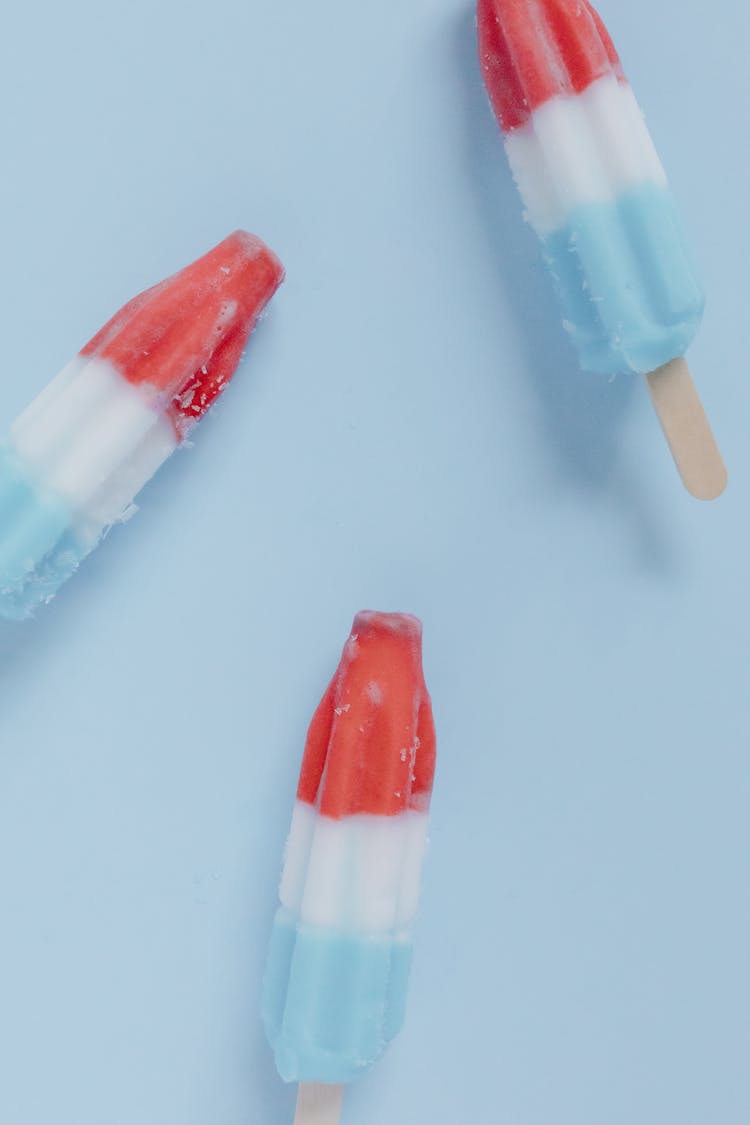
(371, 743)
(534, 50)
(181, 340)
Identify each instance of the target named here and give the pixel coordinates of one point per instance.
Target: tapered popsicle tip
(181, 340)
(258, 262)
(373, 622)
(371, 744)
(533, 50)
(241, 272)
(244, 274)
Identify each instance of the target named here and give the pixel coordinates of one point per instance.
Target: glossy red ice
(371, 743)
(534, 50)
(183, 338)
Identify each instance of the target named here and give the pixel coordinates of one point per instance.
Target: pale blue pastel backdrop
(409, 430)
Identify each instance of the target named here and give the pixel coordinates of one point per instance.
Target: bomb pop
(80, 453)
(597, 196)
(340, 952)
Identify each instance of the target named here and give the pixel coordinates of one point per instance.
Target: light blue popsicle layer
(631, 296)
(331, 1001)
(38, 547)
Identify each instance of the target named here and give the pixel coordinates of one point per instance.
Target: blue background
(409, 430)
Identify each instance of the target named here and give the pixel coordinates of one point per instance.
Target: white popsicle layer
(92, 440)
(579, 150)
(358, 874)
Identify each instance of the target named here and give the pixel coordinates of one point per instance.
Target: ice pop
(596, 194)
(80, 453)
(340, 952)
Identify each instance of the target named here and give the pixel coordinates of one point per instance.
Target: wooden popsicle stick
(687, 429)
(318, 1104)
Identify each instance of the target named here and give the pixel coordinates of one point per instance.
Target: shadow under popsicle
(14, 637)
(581, 414)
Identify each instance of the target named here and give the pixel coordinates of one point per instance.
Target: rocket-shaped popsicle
(80, 453)
(340, 952)
(597, 196)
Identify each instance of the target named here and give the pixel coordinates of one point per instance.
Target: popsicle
(597, 196)
(77, 457)
(341, 947)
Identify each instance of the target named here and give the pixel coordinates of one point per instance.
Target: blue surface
(331, 1001)
(38, 548)
(410, 431)
(629, 291)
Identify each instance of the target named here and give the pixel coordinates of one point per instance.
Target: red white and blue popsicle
(80, 453)
(340, 952)
(596, 194)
